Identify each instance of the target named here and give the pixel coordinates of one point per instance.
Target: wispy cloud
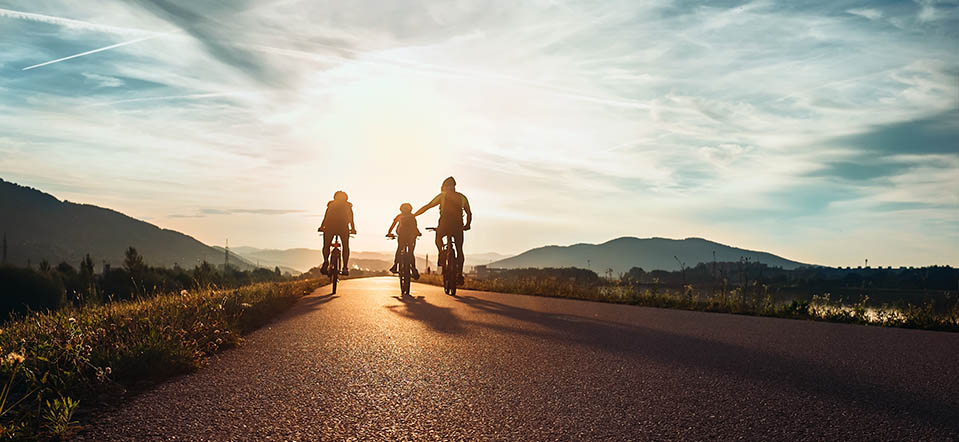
(103, 80)
(70, 23)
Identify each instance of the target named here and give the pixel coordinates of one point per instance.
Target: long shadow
(441, 319)
(309, 304)
(733, 360)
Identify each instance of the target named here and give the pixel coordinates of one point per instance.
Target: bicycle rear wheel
(405, 274)
(335, 269)
(449, 270)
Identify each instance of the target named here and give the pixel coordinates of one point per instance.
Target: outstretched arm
(428, 206)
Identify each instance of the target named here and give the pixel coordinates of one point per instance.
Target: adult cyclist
(452, 205)
(338, 221)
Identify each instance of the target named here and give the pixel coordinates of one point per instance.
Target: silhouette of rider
(406, 233)
(338, 221)
(452, 205)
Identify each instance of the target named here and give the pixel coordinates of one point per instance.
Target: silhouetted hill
(40, 227)
(621, 254)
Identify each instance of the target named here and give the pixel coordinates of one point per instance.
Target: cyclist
(338, 221)
(406, 232)
(452, 205)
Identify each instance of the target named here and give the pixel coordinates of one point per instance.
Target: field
(936, 311)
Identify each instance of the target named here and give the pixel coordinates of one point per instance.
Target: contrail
(69, 22)
(105, 48)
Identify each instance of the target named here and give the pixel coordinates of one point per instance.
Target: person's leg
(411, 244)
(327, 240)
(345, 239)
(412, 248)
(396, 257)
(460, 257)
(439, 247)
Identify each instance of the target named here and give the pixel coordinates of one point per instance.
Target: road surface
(366, 364)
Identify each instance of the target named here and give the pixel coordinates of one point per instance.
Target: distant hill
(649, 253)
(303, 259)
(40, 227)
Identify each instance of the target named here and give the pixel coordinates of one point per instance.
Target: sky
(826, 132)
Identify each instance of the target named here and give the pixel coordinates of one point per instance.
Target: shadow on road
(309, 304)
(441, 319)
(734, 361)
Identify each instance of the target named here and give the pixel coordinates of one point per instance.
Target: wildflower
(184, 292)
(108, 370)
(15, 358)
(246, 305)
(216, 332)
(219, 341)
(72, 319)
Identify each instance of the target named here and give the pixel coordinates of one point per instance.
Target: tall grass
(751, 300)
(53, 362)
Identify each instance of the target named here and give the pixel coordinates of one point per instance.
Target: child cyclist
(406, 233)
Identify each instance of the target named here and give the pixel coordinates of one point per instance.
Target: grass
(55, 362)
(755, 300)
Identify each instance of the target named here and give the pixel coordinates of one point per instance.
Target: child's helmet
(406, 207)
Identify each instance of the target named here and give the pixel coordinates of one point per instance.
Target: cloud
(871, 14)
(936, 134)
(70, 23)
(608, 118)
(249, 211)
(103, 80)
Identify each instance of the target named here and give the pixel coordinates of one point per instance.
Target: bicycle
(450, 263)
(406, 264)
(336, 254)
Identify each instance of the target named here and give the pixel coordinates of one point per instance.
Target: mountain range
(39, 227)
(621, 254)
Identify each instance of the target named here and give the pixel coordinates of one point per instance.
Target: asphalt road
(366, 364)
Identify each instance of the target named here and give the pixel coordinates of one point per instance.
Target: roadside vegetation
(925, 298)
(44, 286)
(55, 362)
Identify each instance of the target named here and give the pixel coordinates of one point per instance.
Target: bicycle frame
(335, 260)
(405, 268)
(451, 269)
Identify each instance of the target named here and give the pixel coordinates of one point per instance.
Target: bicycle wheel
(335, 269)
(404, 275)
(449, 271)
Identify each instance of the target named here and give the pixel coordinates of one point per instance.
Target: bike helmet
(406, 207)
(340, 195)
(449, 182)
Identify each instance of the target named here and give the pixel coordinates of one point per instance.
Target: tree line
(52, 287)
